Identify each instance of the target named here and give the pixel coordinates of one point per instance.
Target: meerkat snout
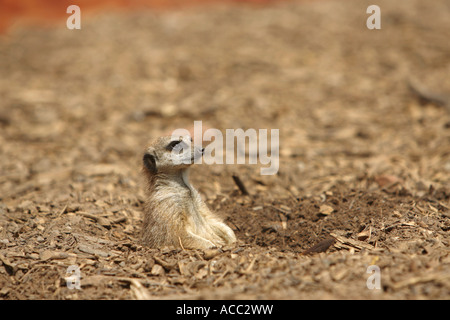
(174, 212)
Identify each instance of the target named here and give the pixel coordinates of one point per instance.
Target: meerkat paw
(225, 233)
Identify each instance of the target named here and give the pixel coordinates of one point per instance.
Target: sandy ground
(364, 163)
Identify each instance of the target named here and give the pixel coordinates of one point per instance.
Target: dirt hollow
(364, 165)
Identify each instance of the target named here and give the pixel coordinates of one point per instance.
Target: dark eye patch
(172, 145)
(150, 162)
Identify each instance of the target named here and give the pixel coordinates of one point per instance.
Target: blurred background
(361, 113)
(339, 92)
(43, 12)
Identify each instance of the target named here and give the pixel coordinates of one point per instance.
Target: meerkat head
(169, 154)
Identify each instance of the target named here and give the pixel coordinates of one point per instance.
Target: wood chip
(352, 243)
(211, 253)
(157, 270)
(139, 291)
(326, 210)
(436, 277)
(365, 234)
(322, 246)
(89, 249)
(10, 267)
(50, 255)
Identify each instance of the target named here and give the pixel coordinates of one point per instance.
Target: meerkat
(175, 214)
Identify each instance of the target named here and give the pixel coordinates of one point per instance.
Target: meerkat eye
(172, 145)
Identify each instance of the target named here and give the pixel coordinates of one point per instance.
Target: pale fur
(175, 214)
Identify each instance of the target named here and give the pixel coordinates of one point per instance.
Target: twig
(240, 185)
(63, 210)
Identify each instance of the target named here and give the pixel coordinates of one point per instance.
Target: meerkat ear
(150, 162)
